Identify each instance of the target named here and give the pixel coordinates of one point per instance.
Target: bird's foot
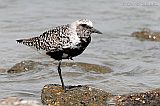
(64, 88)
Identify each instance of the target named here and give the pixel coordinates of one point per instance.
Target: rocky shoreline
(81, 95)
(53, 95)
(88, 96)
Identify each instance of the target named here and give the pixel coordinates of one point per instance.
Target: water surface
(135, 63)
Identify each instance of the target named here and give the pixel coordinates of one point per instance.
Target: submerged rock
(147, 34)
(30, 65)
(88, 67)
(74, 96)
(2, 70)
(15, 101)
(23, 66)
(150, 98)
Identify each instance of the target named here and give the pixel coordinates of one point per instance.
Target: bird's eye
(83, 25)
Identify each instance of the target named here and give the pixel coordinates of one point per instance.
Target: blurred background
(135, 63)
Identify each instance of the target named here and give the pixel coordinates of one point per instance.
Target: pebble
(16, 101)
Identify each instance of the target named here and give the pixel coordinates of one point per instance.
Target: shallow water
(135, 63)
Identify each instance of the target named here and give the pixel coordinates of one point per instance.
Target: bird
(63, 42)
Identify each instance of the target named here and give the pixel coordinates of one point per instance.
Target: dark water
(136, 64)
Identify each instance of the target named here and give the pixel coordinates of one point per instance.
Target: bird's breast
(78, 49)
(69, 52)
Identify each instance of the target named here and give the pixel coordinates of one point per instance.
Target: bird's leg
(60, 75)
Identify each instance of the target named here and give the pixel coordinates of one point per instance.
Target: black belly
(69, 52)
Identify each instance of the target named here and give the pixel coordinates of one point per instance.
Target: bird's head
(85, 24)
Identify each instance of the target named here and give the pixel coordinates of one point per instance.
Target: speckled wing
(54, 39)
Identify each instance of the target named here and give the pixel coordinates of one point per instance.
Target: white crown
(85, 21)
(82, 21)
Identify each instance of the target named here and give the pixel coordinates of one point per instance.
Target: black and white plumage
(63, 42)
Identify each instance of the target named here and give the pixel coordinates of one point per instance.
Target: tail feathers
(31, 42)
(20, 41)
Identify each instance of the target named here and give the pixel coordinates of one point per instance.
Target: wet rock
(150, 98)
(74, 96)
(30, 65)
(83, 66)
(147, 34)
(89, 67)
(2, 70)
(23, 66)
(15, 101)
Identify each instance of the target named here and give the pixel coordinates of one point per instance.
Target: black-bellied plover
(63, 42)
